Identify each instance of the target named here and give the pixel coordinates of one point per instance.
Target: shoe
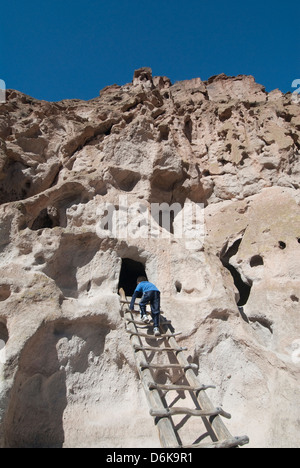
(145, 319)
(156, 331)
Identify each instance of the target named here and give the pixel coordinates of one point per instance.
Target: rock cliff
(70, 173)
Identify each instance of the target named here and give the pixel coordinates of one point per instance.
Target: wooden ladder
(183, 380)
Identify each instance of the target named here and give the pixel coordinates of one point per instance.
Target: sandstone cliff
(67, 376)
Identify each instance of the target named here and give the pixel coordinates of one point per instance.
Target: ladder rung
(145, 335)
(229, 443)
(139, 322)
(152, 389)
(128, 311)
(145, 365)
(158, 350)
(188, 411)
(129, 302)
(138, 312)
(153, 385)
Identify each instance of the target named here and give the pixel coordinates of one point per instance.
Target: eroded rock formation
(68, 378)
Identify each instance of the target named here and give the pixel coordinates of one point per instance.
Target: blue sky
(56, 50)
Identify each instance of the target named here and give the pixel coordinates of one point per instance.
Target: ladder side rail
(216, 422)
(164, 425)
(205, 403)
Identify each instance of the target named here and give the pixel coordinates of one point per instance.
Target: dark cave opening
(3, 332)
(243, 288)
(43, 221)
(130, 271)
(256, 261)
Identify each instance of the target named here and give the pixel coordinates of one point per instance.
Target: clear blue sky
(62, 49)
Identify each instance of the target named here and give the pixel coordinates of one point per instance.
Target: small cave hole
(40, 260)
(294, 298)
(5, 292)
(130, 271)
(282, 245)
(3, 332)
(164, 133)
(188, 129)
(298, 240)
(243, 288)
(108, 131)
(256, 261)
(45, 220)
(178, 286)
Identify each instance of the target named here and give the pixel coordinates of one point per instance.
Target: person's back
(151, 294)
(145, 286)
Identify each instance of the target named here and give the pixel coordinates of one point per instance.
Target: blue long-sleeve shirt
(142, 287)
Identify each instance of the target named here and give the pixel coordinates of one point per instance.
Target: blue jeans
(154, 298)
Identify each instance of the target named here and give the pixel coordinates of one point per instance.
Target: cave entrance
(130, 271)
(3, 340)
(3, 332)
(243, 288)
(43, 221)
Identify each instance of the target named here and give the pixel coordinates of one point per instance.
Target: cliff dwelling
(130, 271)
(70, 377)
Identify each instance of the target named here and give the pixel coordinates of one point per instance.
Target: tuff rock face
(67, 372)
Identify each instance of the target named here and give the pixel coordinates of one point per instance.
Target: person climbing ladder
(150, 295)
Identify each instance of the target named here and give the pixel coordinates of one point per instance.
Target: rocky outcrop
(68, 377)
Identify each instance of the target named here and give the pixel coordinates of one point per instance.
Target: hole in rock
(130, 271)
(298, 240)
(163, 133)
(257, 260)
(40, 260)
(45, 220)
(125, 179)
(14, 184)
(188, 129)
(294, 298)
(3, 332)
(5, 292)
(55, 214)
(282, 245)
(243, 288)
(178, 286)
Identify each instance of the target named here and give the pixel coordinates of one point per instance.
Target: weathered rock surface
(68, 377)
